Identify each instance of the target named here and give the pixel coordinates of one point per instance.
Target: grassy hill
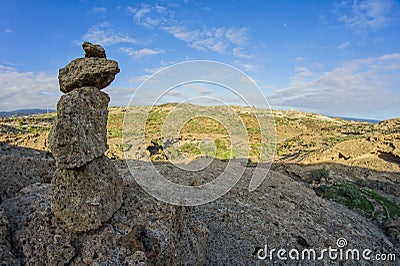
(298, 135)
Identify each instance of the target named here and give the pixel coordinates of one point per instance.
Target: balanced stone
(85, 197)
(79, 132)
(93, 50)
(87, 72)
(86, 187)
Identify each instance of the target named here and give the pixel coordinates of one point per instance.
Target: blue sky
(331, 57)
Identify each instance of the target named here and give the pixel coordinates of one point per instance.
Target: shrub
(317, 174)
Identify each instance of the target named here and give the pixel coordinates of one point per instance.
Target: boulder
(87, 72)
(164, 234)
(85, 197)
(93, 50)
(79, 132)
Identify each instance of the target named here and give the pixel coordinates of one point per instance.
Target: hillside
(330, 178)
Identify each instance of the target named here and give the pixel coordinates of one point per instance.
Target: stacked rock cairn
(86, 187)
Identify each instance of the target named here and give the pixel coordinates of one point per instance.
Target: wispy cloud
(8, 30)
(142, 52)
(344, 45)
(120, 96)
(149, 73)
(361, 87)
(237, 36)
(302, 74)
(151, 16)
(238, 52)
(248, 67)
(19, 90)
(99, 10)
(366, 14)
(105, 35)
(211, 43)
(215, 39)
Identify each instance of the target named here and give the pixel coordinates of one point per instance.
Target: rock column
(86, 188)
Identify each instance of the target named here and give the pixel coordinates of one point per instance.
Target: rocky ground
(331, 179)
(142, 231)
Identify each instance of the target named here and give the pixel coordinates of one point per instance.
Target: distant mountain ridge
(372, 121)
(23, 112)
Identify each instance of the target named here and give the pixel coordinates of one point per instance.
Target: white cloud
(21, 90)
(237, 36)
(318, 65)
(119, 96)
(344, 45)
(150, 16)
(139, 79)
(101, 10)
(182, 33)
(142, 52)
(246, 67)
(216, 39)
(105, 35)
(139, 12)
(302, 75)
(8, 30)
(149, 71)
(364, 87)
(367, 14)
(238, 52)
(212, 44)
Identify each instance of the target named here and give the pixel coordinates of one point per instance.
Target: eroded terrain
(330, 178)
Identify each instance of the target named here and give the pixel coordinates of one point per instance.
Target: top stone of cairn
(93, 50)
(92, 71)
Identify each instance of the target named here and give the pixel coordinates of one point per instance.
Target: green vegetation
(318, 174)
(347, 194)
(296, 133)
(114, 133)
(190, 149)
(20, 124)
(124, 147)
(114, 125)
(192, 133)
(367, 201)
(392, 208)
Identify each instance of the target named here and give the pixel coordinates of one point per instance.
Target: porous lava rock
(87, 72)
(93, 50)
(86, 188)
(79, 132)
(87, 196)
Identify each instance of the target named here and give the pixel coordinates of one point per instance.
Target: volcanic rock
(79, 133)
(87, 72)
(85, 197)
(39, 238)
(6, 256)
(20, 167)
(93, 50)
